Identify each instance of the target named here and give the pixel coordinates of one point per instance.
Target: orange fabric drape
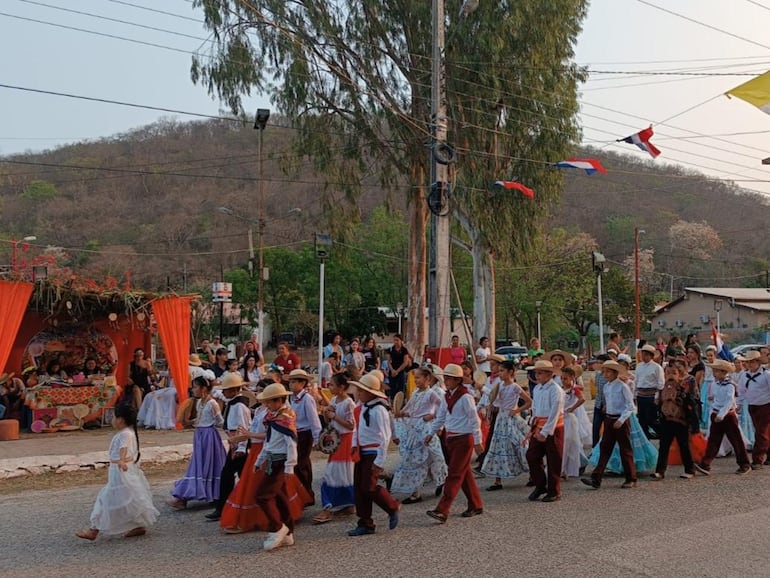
(14, 298)
(173, 316)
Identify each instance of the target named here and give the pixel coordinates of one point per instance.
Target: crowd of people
(697, 405)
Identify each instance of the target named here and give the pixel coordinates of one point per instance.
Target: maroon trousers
(552, 449)
(460, 451)
(610, 437)
(727, 427)
(304, 467)
(760, 416)
(271, 496)
(369, 492)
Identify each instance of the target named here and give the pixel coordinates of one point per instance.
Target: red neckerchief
(284, 420)
(452, 397)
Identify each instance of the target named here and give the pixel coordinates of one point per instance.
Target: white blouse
(209, 415)
(343, 408)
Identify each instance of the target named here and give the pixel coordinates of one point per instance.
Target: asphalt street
(708, 526)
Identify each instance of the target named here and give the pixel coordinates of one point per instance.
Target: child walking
(417, 458)
(201, 481)
(337, 492)
(124, 505)
(574, 460)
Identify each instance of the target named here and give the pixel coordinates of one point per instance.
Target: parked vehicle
(746, 347)
(514, 352)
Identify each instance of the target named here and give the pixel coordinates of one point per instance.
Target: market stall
(66, 407)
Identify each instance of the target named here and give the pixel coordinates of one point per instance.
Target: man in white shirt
(482, 355)
(755, 388)
(649, 381)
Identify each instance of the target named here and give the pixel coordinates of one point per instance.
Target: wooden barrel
(9, 429)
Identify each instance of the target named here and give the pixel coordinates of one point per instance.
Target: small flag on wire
(756, 91)
(642, 140)
(513, 185)
(590, 166)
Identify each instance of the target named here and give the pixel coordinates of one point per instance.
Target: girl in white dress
(505, 457)
(574, 459)
(417, 459)
(124, 505)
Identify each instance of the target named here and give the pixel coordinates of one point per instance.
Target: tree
(354, 75)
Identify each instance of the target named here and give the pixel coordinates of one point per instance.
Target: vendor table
(57, 403)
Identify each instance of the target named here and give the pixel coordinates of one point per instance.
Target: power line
(156, 11)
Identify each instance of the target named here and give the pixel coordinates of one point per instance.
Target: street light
(717, 308)
(637, 305)
(400, 311)
(15, 244)
(260, 122)
(598, 260)
(323, 245)
(539, 304)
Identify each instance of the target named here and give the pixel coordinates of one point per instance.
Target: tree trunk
(416, 329)
(483, 293)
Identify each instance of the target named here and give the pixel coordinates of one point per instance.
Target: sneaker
(412, 500)
(743, 470)
(595, 484)
(275, 539)
(288, 540)
(629, 485)
(360, 531)
(469, 513)
(756, 466)
(213, 516)
(536, 493)
(687, 476)
(657, 476)
(705, 470)
(552, 498)
(438, 516)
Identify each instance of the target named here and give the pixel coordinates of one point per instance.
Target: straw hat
(273, 391)
(567, 357)
(370, 384)
(753, 355)
(648, 348)
(251, 396)
(5, 377)
(578, 370)
(195, 360)
(398, 402)
(378, 374)
(453, 370)
(542, 365)
(722, 364)
(496, 357)
(230, 381)
(300, 375)
(479, 377)
(615, 366)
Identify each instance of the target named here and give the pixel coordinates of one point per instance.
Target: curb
(35, 465)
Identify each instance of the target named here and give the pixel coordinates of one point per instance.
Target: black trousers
(597, 425)
(233, 466)
(668, 431)
(647, 411)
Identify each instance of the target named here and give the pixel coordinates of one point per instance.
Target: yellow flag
(756, 91)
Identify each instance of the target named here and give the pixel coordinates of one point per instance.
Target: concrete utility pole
(439, 320)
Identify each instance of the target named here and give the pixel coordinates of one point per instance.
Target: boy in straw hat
(277, 459)
(308, 425)
(371, 438)
(618, 407)
(724, 420)
(236, 415)
(754, 387)
(457, 415)
(546, 436)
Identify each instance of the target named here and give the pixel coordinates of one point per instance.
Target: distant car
(514, 352)
(746, 347)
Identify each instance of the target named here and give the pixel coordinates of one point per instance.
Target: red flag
(526, 191)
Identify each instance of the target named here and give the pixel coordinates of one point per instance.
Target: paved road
(713, 526)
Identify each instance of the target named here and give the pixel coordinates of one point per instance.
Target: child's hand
(123, 466)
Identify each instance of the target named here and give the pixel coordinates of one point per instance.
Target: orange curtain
(173, 316)
(14, 298)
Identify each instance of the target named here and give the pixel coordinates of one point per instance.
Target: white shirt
(755, 387)
(422, 403)
(649, 376)
(238, 415)
(548, 402)
(343, 408)
(484, 352)
(306, 409)
(209, 415)
(279, 443)
(463, 418)
(376, 435)
(724, 397)
(618, 400)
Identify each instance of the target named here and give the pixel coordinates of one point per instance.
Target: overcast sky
(619, 35)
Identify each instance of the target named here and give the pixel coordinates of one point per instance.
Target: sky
(695, 125)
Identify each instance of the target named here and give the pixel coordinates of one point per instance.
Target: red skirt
(484, 428)
(698, 445)
(241, 510)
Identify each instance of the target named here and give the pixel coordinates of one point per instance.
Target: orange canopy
(14, 298)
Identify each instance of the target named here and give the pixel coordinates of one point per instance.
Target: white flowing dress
(125, 502)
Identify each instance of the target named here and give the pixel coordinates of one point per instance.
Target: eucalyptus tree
(354, 77)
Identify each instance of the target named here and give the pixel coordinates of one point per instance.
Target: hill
(152, 207)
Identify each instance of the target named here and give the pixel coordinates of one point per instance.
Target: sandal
(495, 487)
(412, 500)
(234, 530)
(322, 517)
(89, 534)
(135, 532)
(177, 504)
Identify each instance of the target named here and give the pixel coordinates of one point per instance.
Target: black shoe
(412, 500)
(595, 484)
(530, 484)
(495, 487)
(470, 513)
(361, 531)
(439, 490)
(552, 498)
(436, 515)
(703, 469)
(536, 493)
(581, 470)
(767, 462)
(214, 516)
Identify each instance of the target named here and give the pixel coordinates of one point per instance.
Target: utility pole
(597, 262)
(260, 122)
(637, 307)
(439, 321)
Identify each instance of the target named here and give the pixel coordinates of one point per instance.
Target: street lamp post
(260, 122)
(718, 308)
(539, 304)
(400, 311)
(598, 261)
(637, 300)
(15, 246)
(323, 245)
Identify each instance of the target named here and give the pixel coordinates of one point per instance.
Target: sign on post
(222, 292)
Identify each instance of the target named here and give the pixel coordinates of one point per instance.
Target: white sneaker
(686, 476)
(288, 540)
(275, 539)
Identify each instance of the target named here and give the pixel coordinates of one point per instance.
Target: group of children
(451, 414)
